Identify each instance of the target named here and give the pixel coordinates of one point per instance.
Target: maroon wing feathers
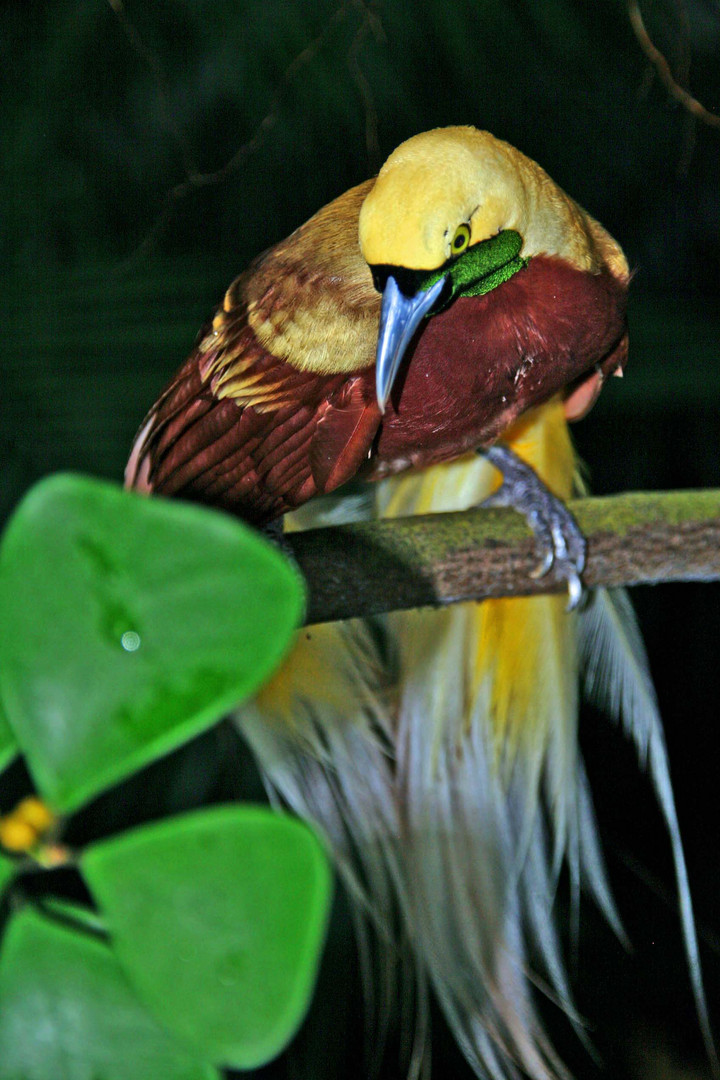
(245, 431)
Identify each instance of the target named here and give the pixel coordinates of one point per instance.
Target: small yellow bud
(34, 811)
(16, 834)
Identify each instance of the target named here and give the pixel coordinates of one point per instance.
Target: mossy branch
(369, 568)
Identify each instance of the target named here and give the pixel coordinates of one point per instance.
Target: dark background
(115, 243)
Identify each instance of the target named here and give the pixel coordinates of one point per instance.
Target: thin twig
(369, 568)
(156, 70)
(194, 177)
(370, 24)
(656, 58)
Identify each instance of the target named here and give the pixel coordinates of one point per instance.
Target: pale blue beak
(400, 316)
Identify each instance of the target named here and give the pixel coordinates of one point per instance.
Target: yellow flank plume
(524, 648)
(332, 674)
(306, 675)
(542, 438)
(514, 660)
(524, 662)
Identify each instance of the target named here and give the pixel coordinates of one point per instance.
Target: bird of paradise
(433, 330)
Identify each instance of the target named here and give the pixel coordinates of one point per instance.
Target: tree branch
(367, 568)
(659, 62)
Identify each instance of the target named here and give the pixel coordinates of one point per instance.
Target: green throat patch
(480, 268)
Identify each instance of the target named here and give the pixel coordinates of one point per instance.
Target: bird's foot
(559, 540)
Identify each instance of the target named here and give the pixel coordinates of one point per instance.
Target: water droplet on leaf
(130, 641)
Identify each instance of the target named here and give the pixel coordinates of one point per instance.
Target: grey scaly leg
(560, 543)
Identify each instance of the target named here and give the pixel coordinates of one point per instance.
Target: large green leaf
(68, 1013)
(218, 918)
(128, 625)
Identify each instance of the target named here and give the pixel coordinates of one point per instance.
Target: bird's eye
(460, 240)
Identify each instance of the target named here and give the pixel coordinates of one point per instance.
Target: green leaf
(68, 1013)
(127, 626)
(8, 745)
(8, 869)
(218, 918)
(78, 915)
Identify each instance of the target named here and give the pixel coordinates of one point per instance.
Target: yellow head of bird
(453, 187)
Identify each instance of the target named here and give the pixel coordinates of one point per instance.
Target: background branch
(369, 568)
(662, 67)
(194, 176)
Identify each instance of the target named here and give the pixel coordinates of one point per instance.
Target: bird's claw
(559, 541)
